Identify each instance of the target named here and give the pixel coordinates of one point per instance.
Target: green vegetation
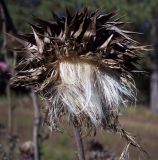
(137, 11)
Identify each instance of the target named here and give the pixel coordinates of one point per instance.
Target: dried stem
(10, 110)
(79, 143)
(36, 126)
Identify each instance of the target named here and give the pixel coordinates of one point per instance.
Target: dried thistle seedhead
(81, 63)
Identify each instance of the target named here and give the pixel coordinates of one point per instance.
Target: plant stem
(36, 126)
(79, 143)
(10, 111)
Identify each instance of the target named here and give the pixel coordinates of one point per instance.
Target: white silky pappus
(85, 89)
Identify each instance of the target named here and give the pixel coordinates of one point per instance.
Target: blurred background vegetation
(142, 16)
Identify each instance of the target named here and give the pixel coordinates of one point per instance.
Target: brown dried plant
(81, 64)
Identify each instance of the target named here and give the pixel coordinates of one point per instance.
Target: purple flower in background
(5, 75)
(3, 67)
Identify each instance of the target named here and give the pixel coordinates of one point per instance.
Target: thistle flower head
(82, 64)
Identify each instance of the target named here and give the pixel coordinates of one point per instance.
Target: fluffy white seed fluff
(86, 89)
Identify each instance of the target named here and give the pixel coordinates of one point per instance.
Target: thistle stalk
(79, 144)
(36, 126)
